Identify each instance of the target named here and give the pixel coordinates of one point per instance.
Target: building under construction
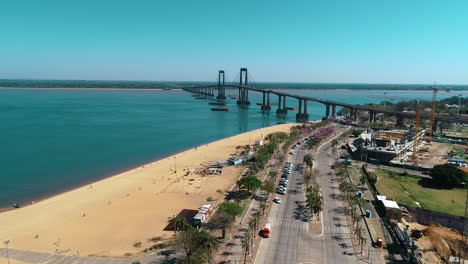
(385, 146)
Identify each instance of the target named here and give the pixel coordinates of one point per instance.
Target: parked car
(277, 200)
(283, 192)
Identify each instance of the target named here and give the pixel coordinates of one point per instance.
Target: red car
(266, 231)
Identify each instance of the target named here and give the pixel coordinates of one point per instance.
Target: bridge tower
(221, 87)
(243, 92)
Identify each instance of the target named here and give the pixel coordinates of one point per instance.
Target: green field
(406, 190)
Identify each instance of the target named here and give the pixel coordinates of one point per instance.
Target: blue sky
(288, 41)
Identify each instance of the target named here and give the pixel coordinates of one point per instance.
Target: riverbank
(108, 217)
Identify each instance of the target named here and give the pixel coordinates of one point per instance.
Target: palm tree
(307, 177)
(358, 232)
(245, 242)
(308, 160)
(363, 242)
(252, 228)
(177, 222)
(318, 206)
(247, 148)
(256, 217)
(263, 206)
(356, 218)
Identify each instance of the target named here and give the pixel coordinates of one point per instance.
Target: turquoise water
(55, 139)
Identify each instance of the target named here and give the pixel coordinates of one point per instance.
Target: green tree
(372, 178)
(447, 176)
(273, 174)
(227, 212)
(334, 143)
(251, 183)
(269, 186)
(314, 200)
(230, 208)
(198, 246)
(356, 132)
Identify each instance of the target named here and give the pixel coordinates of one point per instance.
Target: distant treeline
(171, 85)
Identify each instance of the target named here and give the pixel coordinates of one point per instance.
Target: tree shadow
(428, 183)
(337, 237)
(169, 261)
(335, 196)
(337, 210)
(343, 245)
(167, 252)
(237, 195)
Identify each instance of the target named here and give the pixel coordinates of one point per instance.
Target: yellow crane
(435, 89)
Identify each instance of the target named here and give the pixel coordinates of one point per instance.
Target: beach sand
(107, 217)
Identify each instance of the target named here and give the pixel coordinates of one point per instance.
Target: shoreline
(29, 203)
(179, 89)
(87, 218)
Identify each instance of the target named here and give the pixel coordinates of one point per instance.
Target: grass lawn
(406, 190)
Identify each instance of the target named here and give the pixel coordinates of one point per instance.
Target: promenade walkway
(23, 256)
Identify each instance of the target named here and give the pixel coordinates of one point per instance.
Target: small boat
(221, 109)
(15, 205)
(292, 108)
(217, 103)
(201, 98)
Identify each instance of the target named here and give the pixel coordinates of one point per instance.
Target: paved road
(290, 241)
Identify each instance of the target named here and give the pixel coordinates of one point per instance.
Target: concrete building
(384, 146)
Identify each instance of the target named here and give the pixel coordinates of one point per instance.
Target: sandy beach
(107, 217)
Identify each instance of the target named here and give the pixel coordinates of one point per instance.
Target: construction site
(429, 223)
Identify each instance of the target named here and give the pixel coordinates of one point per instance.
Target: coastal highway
(290, 240)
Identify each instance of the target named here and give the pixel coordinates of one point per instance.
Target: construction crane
(416, 132)
(435, 89)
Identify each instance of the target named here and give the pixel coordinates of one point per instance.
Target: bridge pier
(353, 114)
(333, 110)
(266, 106)
(221, 87)
(302, 116)
(327, 111)
(281, 107)
(243, 96)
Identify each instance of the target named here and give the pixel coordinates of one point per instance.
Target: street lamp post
(6, 244)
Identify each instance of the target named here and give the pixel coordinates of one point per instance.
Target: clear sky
(397, 41)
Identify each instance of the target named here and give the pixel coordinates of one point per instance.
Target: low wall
(423, 216)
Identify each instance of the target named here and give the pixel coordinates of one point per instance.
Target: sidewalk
(233, 252)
